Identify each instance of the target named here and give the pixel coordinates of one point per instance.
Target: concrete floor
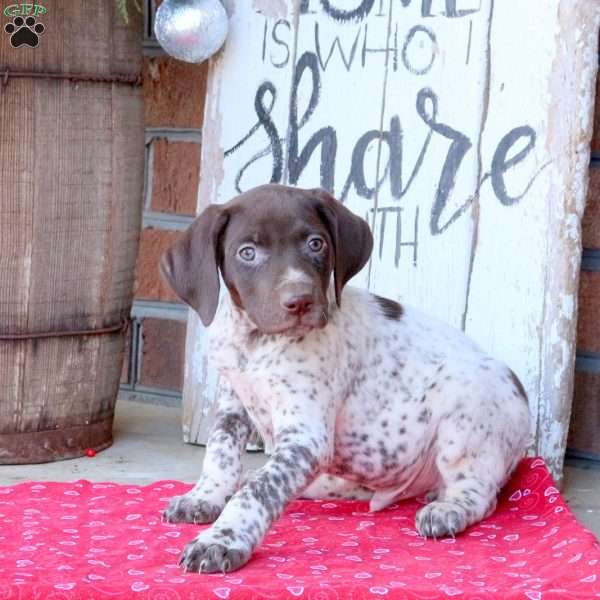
(148, 447)
(581, 490)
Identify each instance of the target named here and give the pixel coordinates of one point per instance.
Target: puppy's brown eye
(316, 244)
(247, 253)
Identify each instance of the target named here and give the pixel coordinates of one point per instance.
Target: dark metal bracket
(6, 74)
(121, 327)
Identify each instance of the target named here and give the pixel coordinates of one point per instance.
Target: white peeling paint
(273, 9)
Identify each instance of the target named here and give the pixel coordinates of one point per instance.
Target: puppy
(354, 395)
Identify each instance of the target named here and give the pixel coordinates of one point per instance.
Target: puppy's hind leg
(331, 487)
(478, 446)
(472, 475)
(463, 503)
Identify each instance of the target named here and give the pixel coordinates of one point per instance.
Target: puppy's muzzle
(297, 304)
(303, 306)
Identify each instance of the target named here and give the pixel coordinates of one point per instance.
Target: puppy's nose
(298, 304)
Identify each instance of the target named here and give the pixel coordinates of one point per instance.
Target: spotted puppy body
(354, 395)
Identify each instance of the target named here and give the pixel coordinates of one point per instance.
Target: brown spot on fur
(517, 383)
(389, 308)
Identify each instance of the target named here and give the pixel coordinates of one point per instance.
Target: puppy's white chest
(257, 401)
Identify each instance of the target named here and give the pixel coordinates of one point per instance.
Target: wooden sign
(458, 128)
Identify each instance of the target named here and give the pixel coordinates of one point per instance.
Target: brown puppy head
(276, 248)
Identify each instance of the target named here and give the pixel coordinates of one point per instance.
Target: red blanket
(101, 540)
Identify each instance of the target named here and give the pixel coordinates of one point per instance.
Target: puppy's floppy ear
(351, 237)
(191, 265)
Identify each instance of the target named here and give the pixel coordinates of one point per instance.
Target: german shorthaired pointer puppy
(354, 395)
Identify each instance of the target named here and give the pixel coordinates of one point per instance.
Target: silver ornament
(191, 30)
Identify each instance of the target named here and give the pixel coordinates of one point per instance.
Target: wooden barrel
(71, 177)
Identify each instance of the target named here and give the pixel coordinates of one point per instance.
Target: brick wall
(584, 434)
(174, 99)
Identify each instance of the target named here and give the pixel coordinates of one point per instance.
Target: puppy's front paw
(190, 509)
(215, 552)
(440, 519)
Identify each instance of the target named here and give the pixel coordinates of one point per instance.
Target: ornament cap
(191, 30)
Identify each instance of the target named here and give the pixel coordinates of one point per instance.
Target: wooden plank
(529, 214)
(423, 233)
